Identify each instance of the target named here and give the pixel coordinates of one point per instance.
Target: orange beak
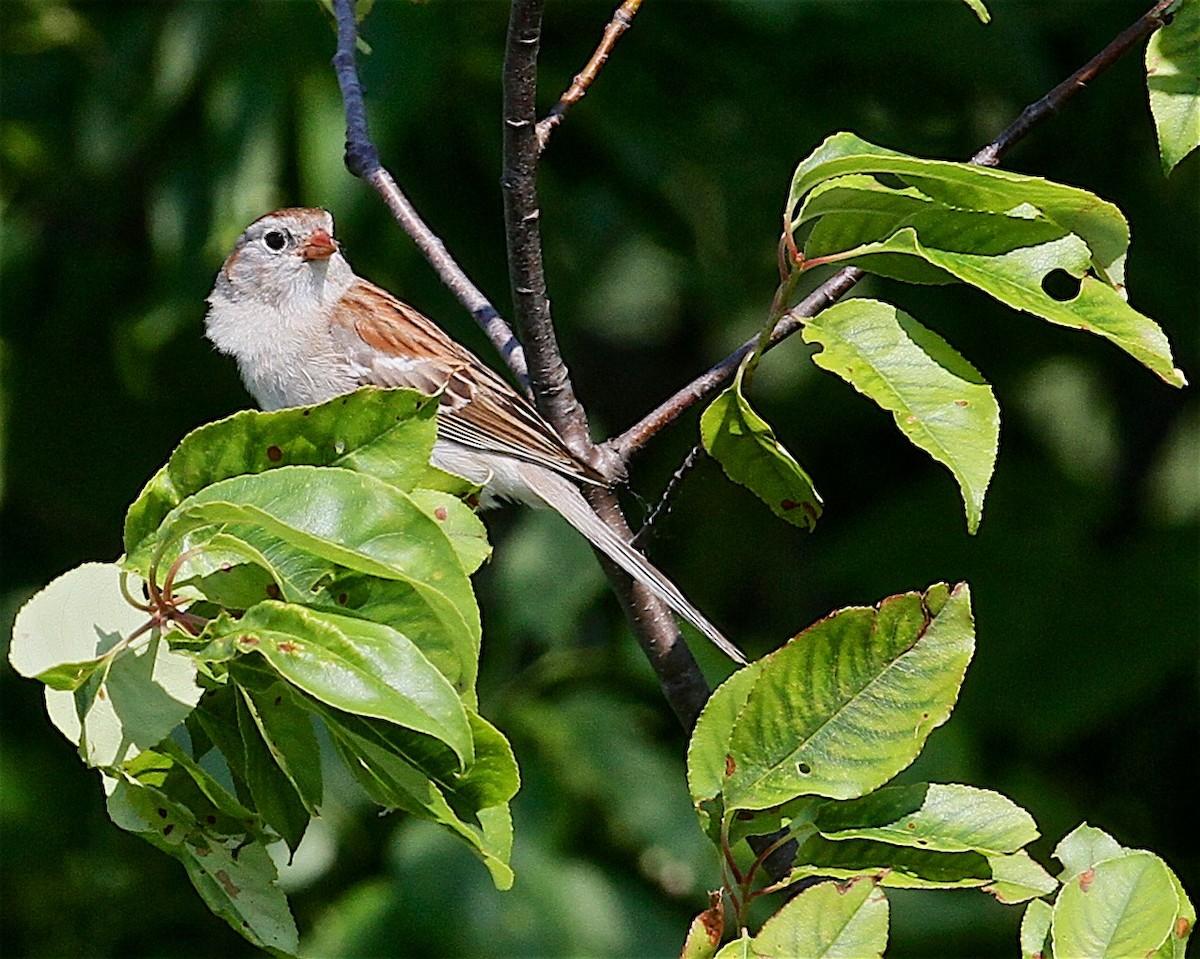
(319, 246)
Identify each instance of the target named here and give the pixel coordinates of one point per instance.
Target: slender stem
(622, 20)
(708, 383)
(663, 506)
(362, 159)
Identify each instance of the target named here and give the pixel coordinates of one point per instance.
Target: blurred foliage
(139, 138)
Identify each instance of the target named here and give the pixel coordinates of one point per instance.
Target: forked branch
(707, 384)
(362, 159)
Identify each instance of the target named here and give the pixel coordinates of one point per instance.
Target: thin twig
(362, 159)
(1053, 101)
(709, 382)
(663, 506)
(706, 385)
(622, 20)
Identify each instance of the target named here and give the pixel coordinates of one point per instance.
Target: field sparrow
(304, 328)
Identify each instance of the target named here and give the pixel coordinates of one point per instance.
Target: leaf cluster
(317, 590)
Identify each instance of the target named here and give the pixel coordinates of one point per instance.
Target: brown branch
(1052, 102)
(362, 160)
(683, 685)
(522, 230)
(655, 628)
(622, 20)
(707, 384)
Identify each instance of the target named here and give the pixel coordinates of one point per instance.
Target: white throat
(279, 332)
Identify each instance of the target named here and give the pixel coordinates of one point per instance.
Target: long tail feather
(561, 495)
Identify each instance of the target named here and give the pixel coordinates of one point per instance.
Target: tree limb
(551, 383)
(683, 685)
(707, 384)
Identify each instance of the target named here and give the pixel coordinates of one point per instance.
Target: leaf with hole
(847, 703)
(228, 865)
(1003, 233)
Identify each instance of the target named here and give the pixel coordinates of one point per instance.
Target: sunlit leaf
(387, 433)
(831, 920)
(236, 878)
(942, 817)
(355, 665)
(1017, 878)
(745, 446)
(1119, 907)
(1173, 80)
(980, 10)
(128, 702)
(1035, 929)
(938, 400)
(1000, 232)
(847, 703)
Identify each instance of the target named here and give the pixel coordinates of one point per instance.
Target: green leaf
(1017, 878)
(1035, 929)
(745, 446)
(233, 874)
(704, 934)
(1173, 81)
(398, 771)
(938, 400)
(387, 433)
(708, 748)
(274, 795)
(295, 575)
(336, 516)
(464, 529)
(849, 702)
(831, 920)
(1120, 907)
(1086, 848)
(355, 665)
(967, 189)
(1001, 232)
(126, 701)
(68, 677)
(898, 867)
(739, 948)
(980, 10)
(1083, 848)
(1016, 279)
(285, 726)
(944, 818)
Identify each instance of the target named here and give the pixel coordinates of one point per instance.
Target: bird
(304, 328)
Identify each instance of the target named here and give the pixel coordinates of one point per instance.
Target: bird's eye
(275, 240)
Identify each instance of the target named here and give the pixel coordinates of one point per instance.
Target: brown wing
(402, 347)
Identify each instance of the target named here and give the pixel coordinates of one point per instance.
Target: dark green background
(139, 138)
